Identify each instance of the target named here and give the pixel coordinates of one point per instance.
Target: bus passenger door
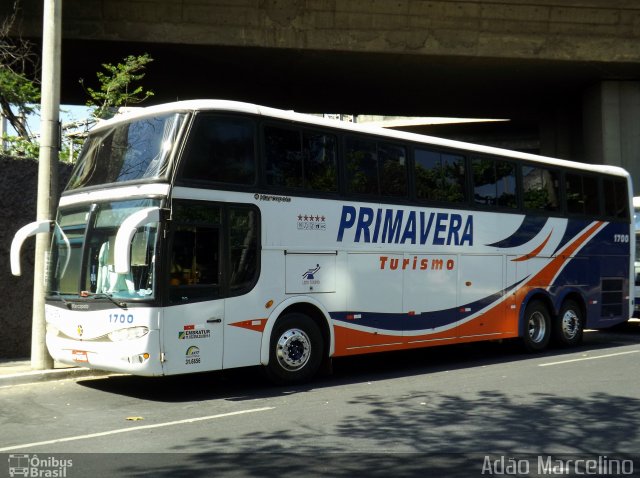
(193, 320)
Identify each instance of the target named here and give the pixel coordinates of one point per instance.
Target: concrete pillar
(611, 125)
(557, 135)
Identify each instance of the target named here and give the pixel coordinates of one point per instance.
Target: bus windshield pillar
(122, 255)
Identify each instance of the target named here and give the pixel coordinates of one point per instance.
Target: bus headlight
(51, 330)
(129, 333)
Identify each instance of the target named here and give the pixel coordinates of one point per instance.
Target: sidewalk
(18, 372)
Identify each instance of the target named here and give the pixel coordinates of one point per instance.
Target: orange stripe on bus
(535, 252)
(256, 324)
(500, 321)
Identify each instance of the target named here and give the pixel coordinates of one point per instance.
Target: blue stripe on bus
(572, 230)
(418, 321)
(530, 227)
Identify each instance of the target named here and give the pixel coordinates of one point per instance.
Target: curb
(36, 376)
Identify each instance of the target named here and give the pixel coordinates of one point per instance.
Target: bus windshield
(138, 149)
(82, 252)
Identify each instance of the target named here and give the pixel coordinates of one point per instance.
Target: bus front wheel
(569, 326)
(537, 322)
(295, 349)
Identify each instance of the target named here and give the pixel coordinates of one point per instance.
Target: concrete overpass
(567, 72)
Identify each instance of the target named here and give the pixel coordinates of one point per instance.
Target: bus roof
(289, 115)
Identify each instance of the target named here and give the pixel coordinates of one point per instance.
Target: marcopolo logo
(38, 466)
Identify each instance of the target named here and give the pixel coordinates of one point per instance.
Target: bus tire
(568, 328)
(537, 327)
(296, 349)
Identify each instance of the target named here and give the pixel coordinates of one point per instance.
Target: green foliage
(116, 87)
(21, 147)
(17, 90)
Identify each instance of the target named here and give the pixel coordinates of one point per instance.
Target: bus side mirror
(122, 254)
(19, 238)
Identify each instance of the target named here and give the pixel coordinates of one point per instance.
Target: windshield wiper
(102, 295)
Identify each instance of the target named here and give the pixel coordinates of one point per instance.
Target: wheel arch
(540, 295)
(575, 296)
(304, 305)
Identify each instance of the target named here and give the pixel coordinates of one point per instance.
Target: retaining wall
(18, 200)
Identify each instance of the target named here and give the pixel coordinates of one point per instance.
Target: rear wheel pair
(566, 330)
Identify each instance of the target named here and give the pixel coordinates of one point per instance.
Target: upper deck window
(128, 151)
(375, 167)
(439, 176)
(221, 150)
(541, 187)
(616, 198)
(494, 182)
(582, 194)
(301, 159)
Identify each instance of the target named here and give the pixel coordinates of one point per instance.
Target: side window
(194, 271)
(283, 157)
(221, 150)
(300, 159)
(541, 188)
(320, 161)
(375, 168)
(243, 248)
(361, 159)
(590, 190)
(393, 169)
(616, 198)
(214, 251)
(582, 194)
(439, 176)
(494, 182)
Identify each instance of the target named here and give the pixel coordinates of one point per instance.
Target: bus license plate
(79, 356)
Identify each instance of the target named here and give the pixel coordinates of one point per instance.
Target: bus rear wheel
(537, 322)
(296, 349)
(569, 326)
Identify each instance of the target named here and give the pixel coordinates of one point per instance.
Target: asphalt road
(444, 410)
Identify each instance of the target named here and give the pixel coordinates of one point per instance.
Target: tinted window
(300, 159)
(194, 272)
(221, 150)
(541, 188)
(207, 262)
(616, 198)
(361, 158)
(243, 247)
(393, 169)
(320, 161)
(439, 176)
(582, 194)
(375, 167)
(494, 182)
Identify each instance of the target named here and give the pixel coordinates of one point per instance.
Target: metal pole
(3, 130)
(47, 171)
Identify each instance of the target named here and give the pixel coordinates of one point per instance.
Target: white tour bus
(206, 235)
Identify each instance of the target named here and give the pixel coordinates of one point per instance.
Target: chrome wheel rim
(537, 327)
(293, 349)
(570, 324)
